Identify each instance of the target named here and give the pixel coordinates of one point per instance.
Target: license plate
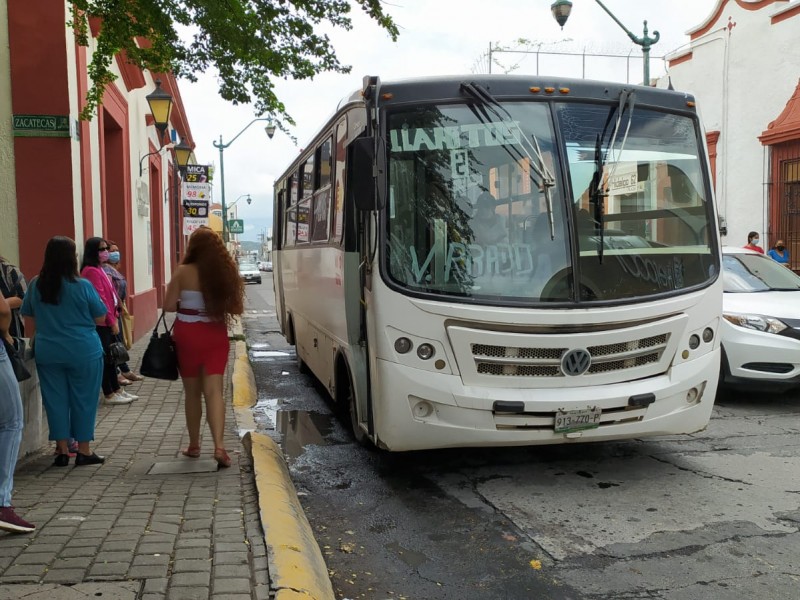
(568, 421)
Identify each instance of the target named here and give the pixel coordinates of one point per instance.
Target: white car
(249, 272)
(760, 331)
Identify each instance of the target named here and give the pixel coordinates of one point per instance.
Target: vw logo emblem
(576, 362)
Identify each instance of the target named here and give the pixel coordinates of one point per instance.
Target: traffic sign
(236, 226)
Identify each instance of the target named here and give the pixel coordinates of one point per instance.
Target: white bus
(504, 260)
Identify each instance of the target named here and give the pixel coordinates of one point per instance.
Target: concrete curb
(296, 566)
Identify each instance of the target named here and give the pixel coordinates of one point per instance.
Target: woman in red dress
(206, 291)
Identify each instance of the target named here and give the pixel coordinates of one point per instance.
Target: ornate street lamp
(183, 152)
(561, 10)
(160, 103)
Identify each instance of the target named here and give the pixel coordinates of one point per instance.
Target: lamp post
(160, 103)
(182, 152)
(270, 129)
(561, 10)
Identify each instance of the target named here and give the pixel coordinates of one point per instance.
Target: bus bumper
(438, 411)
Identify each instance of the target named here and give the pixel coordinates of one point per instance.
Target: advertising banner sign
(196, 174)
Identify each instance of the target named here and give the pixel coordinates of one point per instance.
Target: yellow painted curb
(243, 380)
(296, 566)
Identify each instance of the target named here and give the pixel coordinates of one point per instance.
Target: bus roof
(446, 88)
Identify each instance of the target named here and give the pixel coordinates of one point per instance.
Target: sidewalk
(149, 524)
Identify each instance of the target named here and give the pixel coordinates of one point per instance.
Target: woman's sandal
(192, 452)
(222, 458)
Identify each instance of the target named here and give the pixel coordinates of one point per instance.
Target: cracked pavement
(714, 515)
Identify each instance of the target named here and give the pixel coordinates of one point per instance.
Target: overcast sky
(441, 37)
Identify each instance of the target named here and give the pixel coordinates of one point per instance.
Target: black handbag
(16, 354)
(160, 360)
(117, 353)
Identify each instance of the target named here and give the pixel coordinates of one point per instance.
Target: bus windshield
(491, 205)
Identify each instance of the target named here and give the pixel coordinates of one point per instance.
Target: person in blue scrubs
(69, 356)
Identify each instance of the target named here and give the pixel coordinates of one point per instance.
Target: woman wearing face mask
(95, 253)
(779, 253)
(125, 375)
(753, 242)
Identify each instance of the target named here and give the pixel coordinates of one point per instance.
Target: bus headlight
(708, 334)
(425, 351)
(402, 345)
(694, 341)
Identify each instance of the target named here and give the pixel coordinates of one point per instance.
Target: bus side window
(280, 210)
(307, 177)
(321, 203)
(339, 182)
(323, 164)
(291, 228)
(320, 217)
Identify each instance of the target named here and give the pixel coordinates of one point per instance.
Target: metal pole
(222, 192)
(222, 146)
(645, 42)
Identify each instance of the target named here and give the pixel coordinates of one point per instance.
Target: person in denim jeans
(11, 422)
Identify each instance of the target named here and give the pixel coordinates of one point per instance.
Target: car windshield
(247, 266)
(756, 273)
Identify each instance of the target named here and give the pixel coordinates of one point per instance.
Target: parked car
(760, 331)
(268, 266)
(249, 272)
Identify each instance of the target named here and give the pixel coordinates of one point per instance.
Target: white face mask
(756, 242)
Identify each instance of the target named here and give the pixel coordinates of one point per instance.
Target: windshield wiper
(598, 191)
(548, 180)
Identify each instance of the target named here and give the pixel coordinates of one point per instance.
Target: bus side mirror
(363, 175)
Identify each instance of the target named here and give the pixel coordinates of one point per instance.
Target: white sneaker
(126, 394)
(117, 398)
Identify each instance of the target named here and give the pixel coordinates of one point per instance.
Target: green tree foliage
(249, 43)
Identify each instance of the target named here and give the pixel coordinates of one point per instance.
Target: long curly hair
(220, 282)
(60, 263)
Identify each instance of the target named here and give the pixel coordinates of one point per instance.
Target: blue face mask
(113, 257)
(755, 242)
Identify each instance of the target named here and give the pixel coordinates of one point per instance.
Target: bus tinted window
(302, 221)
(290, 228)
(320, 222)
(653, 213)
(307, 171)
(324, 164)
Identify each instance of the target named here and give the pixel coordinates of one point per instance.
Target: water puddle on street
(268, 354)
(301, 428)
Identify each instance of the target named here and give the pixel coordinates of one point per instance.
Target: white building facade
(743, 64)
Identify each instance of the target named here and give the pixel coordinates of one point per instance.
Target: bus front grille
(516, 361)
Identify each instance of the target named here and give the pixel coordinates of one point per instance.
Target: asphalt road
(714, 515)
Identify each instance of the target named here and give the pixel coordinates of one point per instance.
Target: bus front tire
(346, 404)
